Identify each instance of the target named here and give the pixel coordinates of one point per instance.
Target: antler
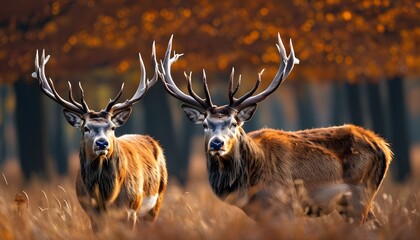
(144, 85)
(286, 66)
(172, 88)
(47, 87)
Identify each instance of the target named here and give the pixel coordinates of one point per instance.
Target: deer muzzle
(216, 146)
(101, 146)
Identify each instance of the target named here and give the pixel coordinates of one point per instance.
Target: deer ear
(193, 114)
(121, 117)
(73, 118)
(246, 113)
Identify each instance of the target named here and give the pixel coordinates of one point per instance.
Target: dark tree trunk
(399, 135)
(376, 108)
(184, 147)
(158, 124)
(354, 103)
(339, 104)
(3, 93)
(305, 106)
(59, 147)
(32, 137)
(276, 110)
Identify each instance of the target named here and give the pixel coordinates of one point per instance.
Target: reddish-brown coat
(324, 164)
(136, 169)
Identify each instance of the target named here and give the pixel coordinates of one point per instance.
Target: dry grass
(51, 211)
(39, 210)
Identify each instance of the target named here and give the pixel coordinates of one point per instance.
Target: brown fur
(338, 167)
(136, 169)
(267, 170)
(128, 172)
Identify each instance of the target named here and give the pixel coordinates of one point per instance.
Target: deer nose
(102, 144)
(216, 144)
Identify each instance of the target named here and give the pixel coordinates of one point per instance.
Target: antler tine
(47, 86)
(290, 64)
(203, 102)
(143, 87)
(82, 98)
(191, 91)
(112, 102)
(238, 101)
(170, 85)
(40, 73)
(232, 91)
(155, 66)
(209, 102)
(71, 97)
(286, 66)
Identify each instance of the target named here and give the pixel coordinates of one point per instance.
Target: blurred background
(359, 63)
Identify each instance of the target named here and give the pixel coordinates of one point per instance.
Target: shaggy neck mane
(237, 170)
(101, 172)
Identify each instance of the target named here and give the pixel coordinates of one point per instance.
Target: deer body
(118, 181)
(125, 173)
(268, 171)
(266, 162)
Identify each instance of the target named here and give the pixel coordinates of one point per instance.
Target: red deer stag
(127, 172)
(251, 169)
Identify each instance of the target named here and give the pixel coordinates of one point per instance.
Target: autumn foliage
(334, 39)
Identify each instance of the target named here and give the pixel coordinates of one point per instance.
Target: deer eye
(86, 129)
(113, 128)
(234, 125)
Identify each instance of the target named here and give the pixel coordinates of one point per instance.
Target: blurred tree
(364, 39)
(32, 143)
(19, 30)
(334, 39)
(338, 104)
(3, 92)
(59, 145)
(376, 107)
(278, 114)
(305, 106)
(354, 103)
(158, 122)
(399, 132)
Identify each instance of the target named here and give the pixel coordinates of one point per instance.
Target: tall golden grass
(41, 210)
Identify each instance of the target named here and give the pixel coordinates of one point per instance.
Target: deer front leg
(89, 205)
(132, 212)
(132, 218)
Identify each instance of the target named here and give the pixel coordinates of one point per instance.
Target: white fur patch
(147, 204)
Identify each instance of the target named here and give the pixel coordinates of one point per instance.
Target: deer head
(223, 124)
(97, 128)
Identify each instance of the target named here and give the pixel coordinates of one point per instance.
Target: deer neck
(102, 176)
(236, 171)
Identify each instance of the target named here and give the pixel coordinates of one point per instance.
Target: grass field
(40, 210)
(50, 210)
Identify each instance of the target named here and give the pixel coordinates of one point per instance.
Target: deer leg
(324, 199)
(95, 223)
(132, 218)
(95, 216)
(354, 208)
(132, 212)
(156, 209)
(152, 214)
